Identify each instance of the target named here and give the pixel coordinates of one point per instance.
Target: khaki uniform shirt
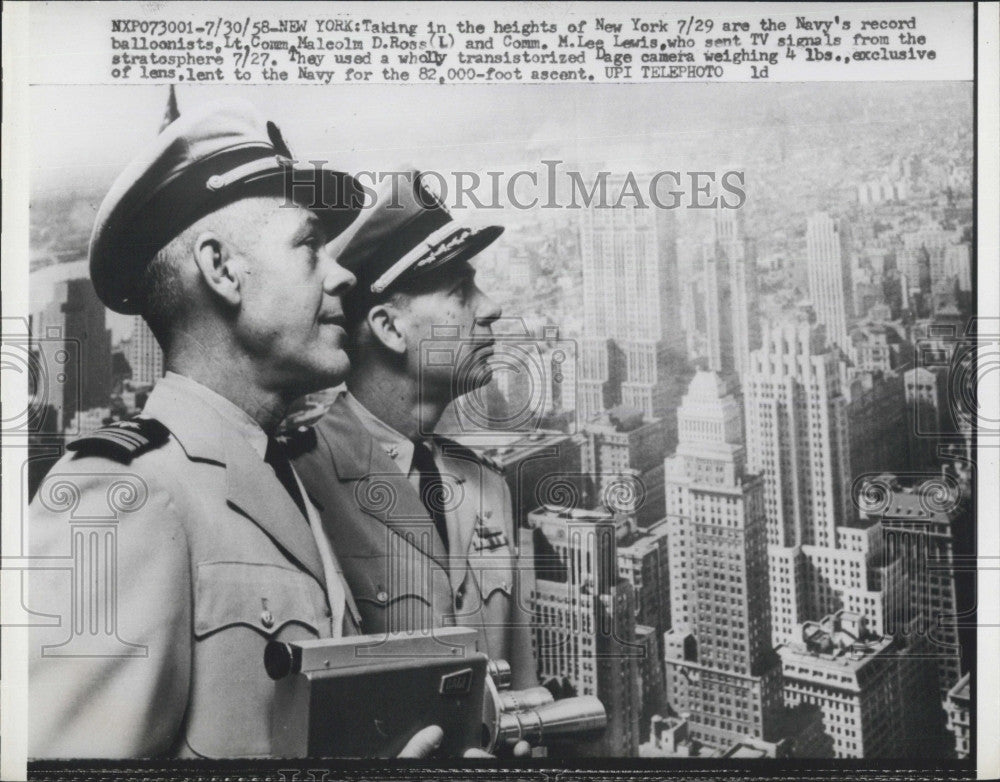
(161, 580)
(359, 474)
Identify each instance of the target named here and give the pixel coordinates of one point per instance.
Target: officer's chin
(334, 372)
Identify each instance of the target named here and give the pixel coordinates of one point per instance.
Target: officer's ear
(216, 266)
(383, 320)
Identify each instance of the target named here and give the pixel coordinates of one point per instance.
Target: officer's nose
(488, 310)
(338, 280)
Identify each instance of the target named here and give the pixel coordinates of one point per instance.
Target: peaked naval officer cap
(407, 233)
(200, 162)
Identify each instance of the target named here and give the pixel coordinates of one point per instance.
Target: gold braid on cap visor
(442, 241)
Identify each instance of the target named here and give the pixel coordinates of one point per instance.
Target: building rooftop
(638, 542)
(840, 639)
(891, 499)
(708, 386)
(619, 419)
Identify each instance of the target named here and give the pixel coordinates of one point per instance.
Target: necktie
(432, 490)
(276, 457)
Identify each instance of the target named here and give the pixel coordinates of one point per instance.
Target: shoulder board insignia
(297, 440)
(451, 448)
(122, 441)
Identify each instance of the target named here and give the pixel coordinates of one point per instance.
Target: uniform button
(382, 596)
(267, 619)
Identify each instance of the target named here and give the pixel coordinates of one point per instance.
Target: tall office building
(145, 356)
(829, 269)
(633, 350)
(720, 667)
(958, 265)
(924, 255)
(623, 449)
(797, 431)
(877, 422)
(73, 324)
(730, 295)
(642, 562)
(925, 401)
(652, 693)
(855, 676)
(917, 522)
(821, 558)
(585, 630)
(690, 267)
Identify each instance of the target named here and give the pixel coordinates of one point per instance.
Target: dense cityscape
(737, 441)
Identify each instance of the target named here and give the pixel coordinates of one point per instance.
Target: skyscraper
(585, 639)
(821, 558)
(877, 422)
(796, 431)
(631, 306)
(924, 256)
(855, 676)
(76, 316)
(623, 448)
(917, 522)
(730, 293)
(830, 276)
(642, 562)
(144, 355)
(720, 666)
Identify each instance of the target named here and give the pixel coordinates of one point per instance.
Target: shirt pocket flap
(494, 575)
(385, 581)
(263, 597)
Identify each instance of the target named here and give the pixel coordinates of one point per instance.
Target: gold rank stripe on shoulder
(123, 440)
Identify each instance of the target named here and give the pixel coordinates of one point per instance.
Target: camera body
(366, 696)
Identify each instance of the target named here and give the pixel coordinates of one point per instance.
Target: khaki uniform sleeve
(111, 679)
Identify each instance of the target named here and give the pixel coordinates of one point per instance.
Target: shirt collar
(230, 414)
(392, 443)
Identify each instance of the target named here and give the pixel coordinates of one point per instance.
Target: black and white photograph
(501, 390)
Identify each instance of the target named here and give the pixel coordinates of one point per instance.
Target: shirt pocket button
(267, 619)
